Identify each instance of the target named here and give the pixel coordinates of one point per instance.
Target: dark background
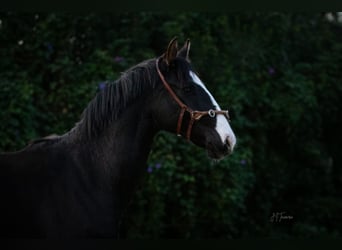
(278, 73)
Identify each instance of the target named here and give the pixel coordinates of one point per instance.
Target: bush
(277, 73)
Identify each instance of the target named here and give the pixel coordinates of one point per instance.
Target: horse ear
(184, 51)
(171, 51)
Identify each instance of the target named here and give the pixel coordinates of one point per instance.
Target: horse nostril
(227, 145)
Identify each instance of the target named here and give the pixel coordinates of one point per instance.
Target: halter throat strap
(194, 115)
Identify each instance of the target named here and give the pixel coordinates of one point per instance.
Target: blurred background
(279, 74)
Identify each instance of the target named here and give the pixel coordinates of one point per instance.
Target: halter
(194, 114)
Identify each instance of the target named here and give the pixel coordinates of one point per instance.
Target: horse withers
(78, 184)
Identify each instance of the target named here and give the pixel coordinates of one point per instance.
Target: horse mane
(110, 102)
(49, 138)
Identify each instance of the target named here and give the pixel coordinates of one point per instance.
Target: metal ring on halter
(211, 113)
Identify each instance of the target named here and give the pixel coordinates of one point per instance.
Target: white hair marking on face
(222, 125)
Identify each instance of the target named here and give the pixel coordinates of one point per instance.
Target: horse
(77, 185)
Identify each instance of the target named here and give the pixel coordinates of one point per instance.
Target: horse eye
(172, 65)
(188, 89)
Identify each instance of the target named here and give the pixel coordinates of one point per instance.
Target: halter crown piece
(194, 114)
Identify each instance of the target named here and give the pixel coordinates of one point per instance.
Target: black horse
(78, 184)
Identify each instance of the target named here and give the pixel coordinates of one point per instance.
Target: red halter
(194, 114)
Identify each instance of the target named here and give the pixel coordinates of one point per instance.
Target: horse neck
(119, 153)
(127, 143)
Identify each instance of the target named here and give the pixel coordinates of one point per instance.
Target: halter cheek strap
(194, 115)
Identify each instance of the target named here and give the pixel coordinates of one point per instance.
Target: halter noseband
(194, 114)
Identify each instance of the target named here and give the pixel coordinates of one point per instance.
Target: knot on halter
(194, 114)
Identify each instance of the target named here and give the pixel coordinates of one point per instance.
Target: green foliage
(279, 74)
(199, 193)
(16, 115)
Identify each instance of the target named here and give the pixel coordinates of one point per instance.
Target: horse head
(187, 108)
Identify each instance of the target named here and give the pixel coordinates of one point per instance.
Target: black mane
(110, 102)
